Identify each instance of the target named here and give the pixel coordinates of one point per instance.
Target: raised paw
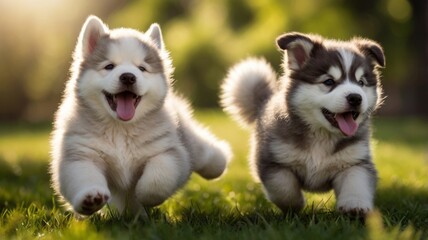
(92, 201)
(215, 160)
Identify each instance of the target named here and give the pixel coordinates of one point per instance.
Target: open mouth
(344, 121)
(123, 103)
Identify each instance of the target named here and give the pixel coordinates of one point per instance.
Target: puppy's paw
(289, 205)
(213, 160)
(162, 176)
(89, 201)
(150, 192)
(215, 166)
(151, 198)
(355, 207)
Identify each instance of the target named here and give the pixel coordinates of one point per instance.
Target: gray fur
(291, 151)
(242, 102)
(153, 59)
(98, 55)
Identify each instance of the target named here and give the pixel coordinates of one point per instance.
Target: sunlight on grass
(376, 229)
(19, 142)
(232, 206)
(80, 230)
(401, 164)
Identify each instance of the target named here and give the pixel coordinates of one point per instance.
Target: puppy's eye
(329, 82)
(361, 83)
(142, 69)
(109, 66)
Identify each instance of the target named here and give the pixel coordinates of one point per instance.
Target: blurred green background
(205, 37)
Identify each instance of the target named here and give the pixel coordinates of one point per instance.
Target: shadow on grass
(22, 127)
(411, 132)
(403, 205)
(24, 182)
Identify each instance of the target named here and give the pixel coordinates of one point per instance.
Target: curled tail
(247, 87)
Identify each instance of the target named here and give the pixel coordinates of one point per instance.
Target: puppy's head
(121, 73)
(332, 85)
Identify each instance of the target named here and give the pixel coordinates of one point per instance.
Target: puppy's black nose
(127, 78)
(354, 99)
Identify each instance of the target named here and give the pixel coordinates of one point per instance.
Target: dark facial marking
(371, 50)
(369, 73)
(98, 55)
(153, 59)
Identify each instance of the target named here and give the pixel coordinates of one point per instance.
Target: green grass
(230, 208)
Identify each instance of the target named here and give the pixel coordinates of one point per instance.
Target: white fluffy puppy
(121, 135)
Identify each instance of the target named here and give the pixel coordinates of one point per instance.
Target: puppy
(121, 135)
(311, 129)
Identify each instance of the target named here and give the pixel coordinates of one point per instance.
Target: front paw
(89, 201)
(355, 207)
(151, 193)
(151, 198)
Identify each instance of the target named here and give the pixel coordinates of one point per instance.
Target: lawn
(229, 208)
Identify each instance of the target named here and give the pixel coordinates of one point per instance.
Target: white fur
(359, 73)
(339, 95)
(318, 163)
(160, 178)
(310, 102)
(335, 72)
(148, 84)
(283, 188)
(98, 158)
(353, 191)
(347, 58)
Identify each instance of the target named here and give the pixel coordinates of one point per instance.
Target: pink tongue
(125, 106)
(346, 123)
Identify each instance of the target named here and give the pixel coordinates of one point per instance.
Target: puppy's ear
(155, 33)
(372, 50)
(298, 47)
(93, 29)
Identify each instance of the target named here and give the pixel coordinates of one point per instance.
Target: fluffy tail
(247, 87)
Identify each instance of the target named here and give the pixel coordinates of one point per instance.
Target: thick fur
(131, 159)
(294, 146)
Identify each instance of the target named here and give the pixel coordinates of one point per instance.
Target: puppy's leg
(211, 158)
(355, 188)
(209, 155)
(282, 188)
(84, 186)
(162, 176)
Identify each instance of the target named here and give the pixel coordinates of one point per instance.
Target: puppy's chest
(121, 150)
(317, 163)
(125, 156)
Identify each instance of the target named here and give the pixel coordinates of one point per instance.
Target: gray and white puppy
(311, 129)
(122, 136)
